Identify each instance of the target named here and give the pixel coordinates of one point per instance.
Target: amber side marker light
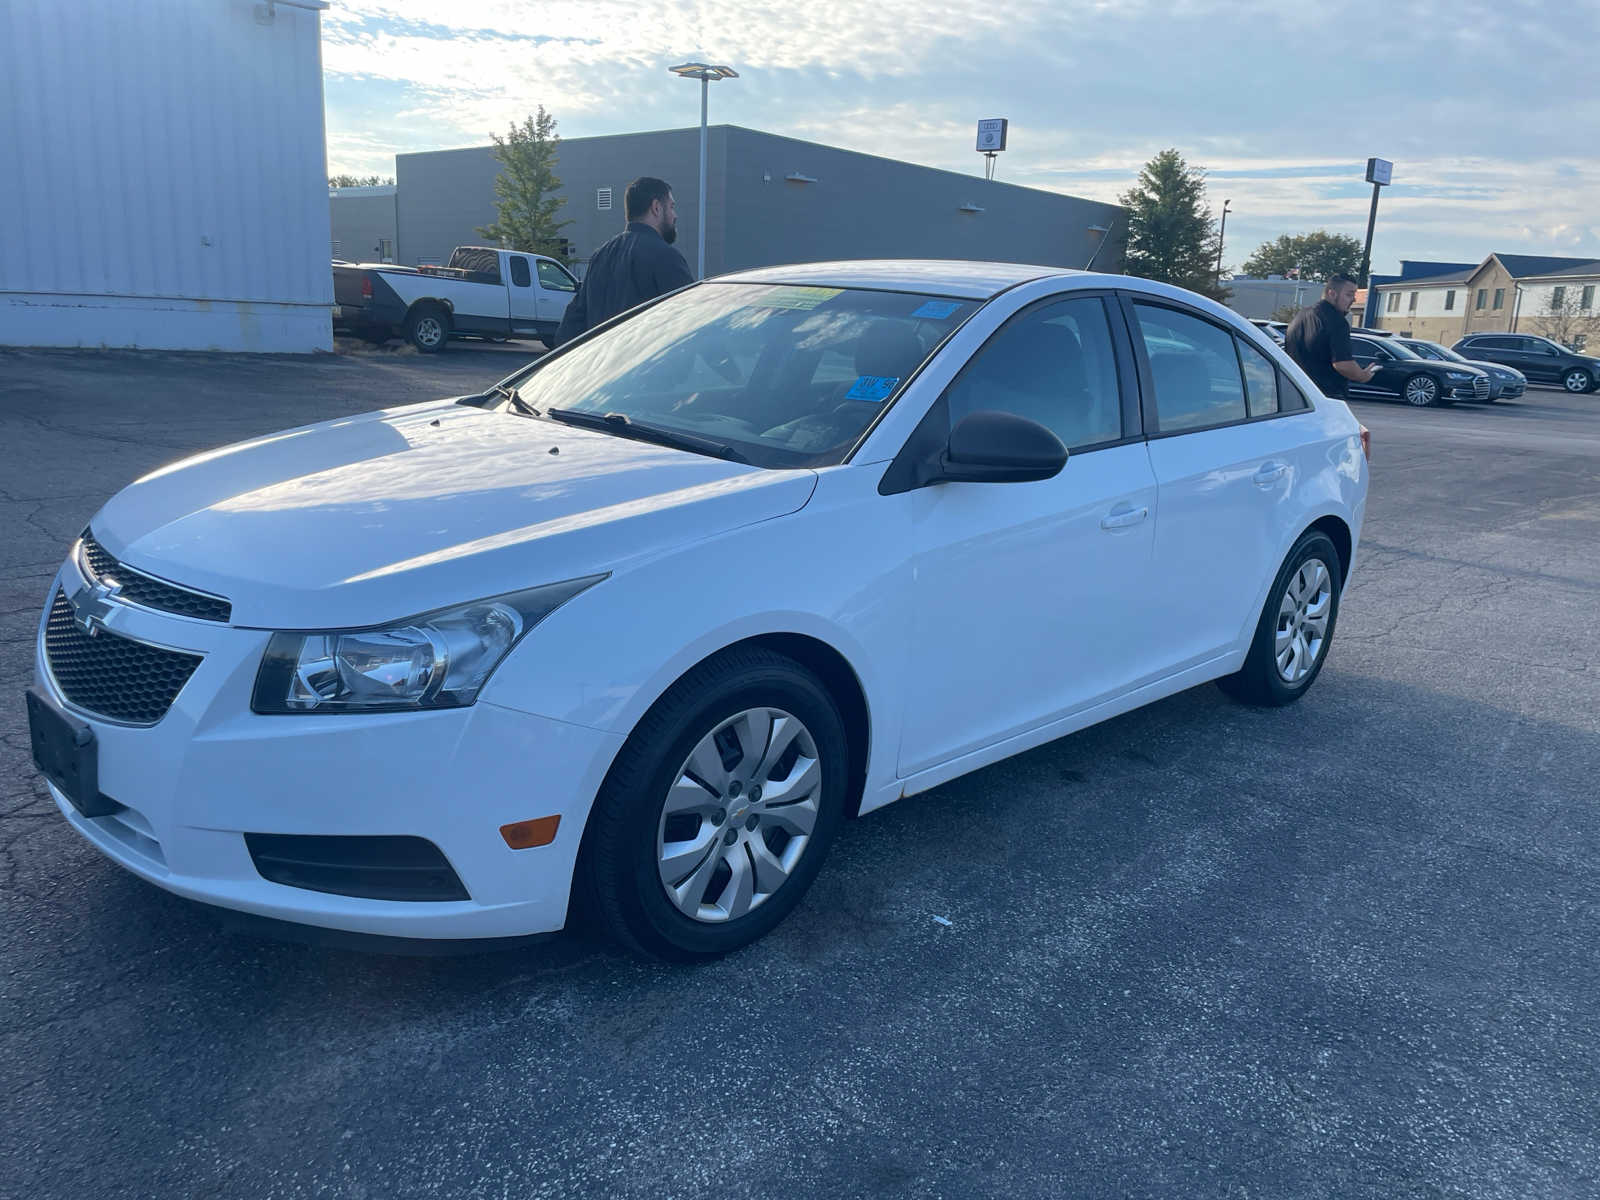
(525, 835)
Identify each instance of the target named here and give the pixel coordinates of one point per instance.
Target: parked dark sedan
(1405, 374)
(1540, 359)
(1505, 383)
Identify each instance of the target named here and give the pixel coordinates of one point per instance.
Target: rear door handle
(1123, 516)
(1270, 473)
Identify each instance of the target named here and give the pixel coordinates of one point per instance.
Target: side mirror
(997, 447)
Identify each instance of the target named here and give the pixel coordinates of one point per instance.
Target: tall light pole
(1226, 204)
(707, 75)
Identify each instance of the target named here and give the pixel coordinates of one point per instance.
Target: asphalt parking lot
(1346, 948)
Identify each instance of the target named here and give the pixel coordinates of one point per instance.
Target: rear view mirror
(999, 447)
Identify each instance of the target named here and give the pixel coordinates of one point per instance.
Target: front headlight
(1458, 376)
(440, 659)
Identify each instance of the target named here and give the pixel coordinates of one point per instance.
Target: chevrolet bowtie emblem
(91, 605)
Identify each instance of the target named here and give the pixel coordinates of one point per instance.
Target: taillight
(366, 294)
(1366, 443)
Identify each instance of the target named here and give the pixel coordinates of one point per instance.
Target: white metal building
(163, 175)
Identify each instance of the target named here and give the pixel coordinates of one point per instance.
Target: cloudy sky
(1490, 110)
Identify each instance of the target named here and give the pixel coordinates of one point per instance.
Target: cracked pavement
(1341, 949)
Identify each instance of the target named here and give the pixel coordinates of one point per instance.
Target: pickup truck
(483, 291)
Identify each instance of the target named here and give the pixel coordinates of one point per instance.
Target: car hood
(1496, 369)
(372, 518)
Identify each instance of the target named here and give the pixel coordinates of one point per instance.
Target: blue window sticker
(937, 310)
(875, 388)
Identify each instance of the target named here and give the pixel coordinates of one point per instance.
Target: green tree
(1316, 255)
(358, 181)
(1171, 236)
(526, 189)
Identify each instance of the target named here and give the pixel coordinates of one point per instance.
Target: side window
(554, 278)
(1053, 364)
(1290, 397)
(1260, 380)
(1194, 369)
(519, 271)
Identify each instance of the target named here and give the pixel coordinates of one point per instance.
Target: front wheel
(1577, 380)
(1296, 627)
(718, 811)
(1422, 391)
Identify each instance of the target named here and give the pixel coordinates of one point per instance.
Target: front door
(1030, 599)
(556, 289)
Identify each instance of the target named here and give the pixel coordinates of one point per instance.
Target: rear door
(522, 295)
(1228, 450)
(1495, 349)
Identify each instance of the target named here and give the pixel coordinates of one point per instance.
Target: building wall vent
(602, 199)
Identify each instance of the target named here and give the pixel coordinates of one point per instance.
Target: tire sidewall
(1262, 660)
(1588, 381)
(650, 916)
(416, 320)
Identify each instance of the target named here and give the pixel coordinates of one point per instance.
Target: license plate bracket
(65, 751)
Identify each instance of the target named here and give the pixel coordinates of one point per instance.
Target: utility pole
(1379, 172)
(1221, 233)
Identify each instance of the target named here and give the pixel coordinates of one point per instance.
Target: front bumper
(210, 771)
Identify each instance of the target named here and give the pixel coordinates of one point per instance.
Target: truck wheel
(428, 328)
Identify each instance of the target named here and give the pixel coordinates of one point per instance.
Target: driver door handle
(1270, 473)
(1123, 516)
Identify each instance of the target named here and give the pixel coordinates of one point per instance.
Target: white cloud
(1273, 98)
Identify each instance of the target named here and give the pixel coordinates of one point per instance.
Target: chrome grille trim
(147, 591)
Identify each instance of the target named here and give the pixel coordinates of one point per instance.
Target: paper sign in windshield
(796, 297)
(875, 388)
(937, 310)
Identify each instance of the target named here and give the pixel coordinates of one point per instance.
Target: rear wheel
(1577, 380)
(1422, 391)
(1296, 627)
(428, 328)
(717, 813)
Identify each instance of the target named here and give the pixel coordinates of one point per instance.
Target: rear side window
(1194, 369)
(1260, 381)
(520, 275)
(1493, 343)
(1053, 364)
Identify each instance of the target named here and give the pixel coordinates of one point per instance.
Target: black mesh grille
(110, 675)
(153, 593)
(375, 867)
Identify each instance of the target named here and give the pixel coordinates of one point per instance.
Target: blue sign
(937, 310)
(874, 388)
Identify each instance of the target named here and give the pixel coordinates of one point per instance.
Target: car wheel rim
(739, 815)
(1420, 391)
(1577, 381)
(1303, 620)
(429, 331)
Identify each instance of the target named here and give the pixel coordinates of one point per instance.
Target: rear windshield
(788, 376)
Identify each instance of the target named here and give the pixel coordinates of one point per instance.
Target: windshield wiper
(517, 402)
(625, 426)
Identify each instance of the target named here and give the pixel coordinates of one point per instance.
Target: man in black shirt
(1319, 339)
(638, 264)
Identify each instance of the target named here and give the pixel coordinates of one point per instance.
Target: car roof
(945, 277)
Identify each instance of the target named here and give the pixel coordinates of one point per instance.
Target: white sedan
(639, 626)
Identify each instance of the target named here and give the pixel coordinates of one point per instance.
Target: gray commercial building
(771, 199)
(363, 223)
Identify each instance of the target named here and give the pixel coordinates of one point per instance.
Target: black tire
(1259, 681)
(618, 885)
(1422, 391)
(428, 328)
(1577, 381)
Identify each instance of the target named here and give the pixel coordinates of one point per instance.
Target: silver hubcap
(1421, 391)
(1577, 381)
(429, 331)
(1303, 621)
(739, 815)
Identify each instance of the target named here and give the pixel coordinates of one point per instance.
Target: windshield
(786, 376)
(1434, 351)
